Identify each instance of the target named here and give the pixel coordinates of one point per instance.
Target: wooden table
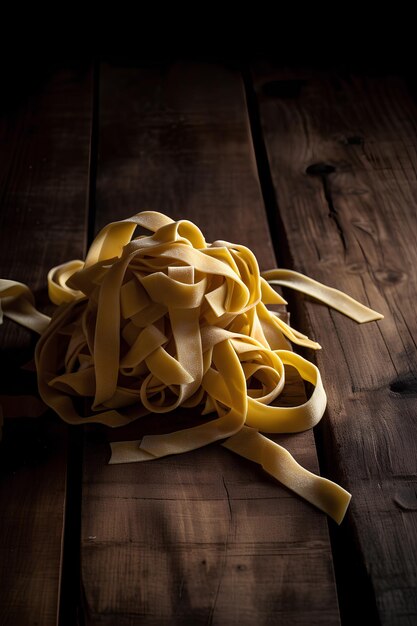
(314, 170)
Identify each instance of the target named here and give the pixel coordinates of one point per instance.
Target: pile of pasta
(151, 323)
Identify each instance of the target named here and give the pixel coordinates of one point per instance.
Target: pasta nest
(150, 323)
(166, 320)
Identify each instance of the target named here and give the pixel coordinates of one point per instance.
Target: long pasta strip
(147, 324)
(278, 462)
(328, 295)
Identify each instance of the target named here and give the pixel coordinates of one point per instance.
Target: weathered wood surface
(352, 224)
(203, 537)
(44, 152)
(207, 537)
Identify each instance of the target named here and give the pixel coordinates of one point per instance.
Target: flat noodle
(156, 322)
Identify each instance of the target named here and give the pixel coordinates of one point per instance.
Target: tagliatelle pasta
(148, 324)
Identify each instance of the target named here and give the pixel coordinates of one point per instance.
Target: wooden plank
(44, 154)
(352, 224)
(204, 537)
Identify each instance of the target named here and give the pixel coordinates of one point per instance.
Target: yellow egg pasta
(148, 324)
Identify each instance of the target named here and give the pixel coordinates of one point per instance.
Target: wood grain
(342, 153)
(44, 177)
(204, 537)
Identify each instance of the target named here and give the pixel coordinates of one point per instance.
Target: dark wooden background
(313, 167)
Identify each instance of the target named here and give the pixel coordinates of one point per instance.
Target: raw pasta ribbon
(150, 323)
